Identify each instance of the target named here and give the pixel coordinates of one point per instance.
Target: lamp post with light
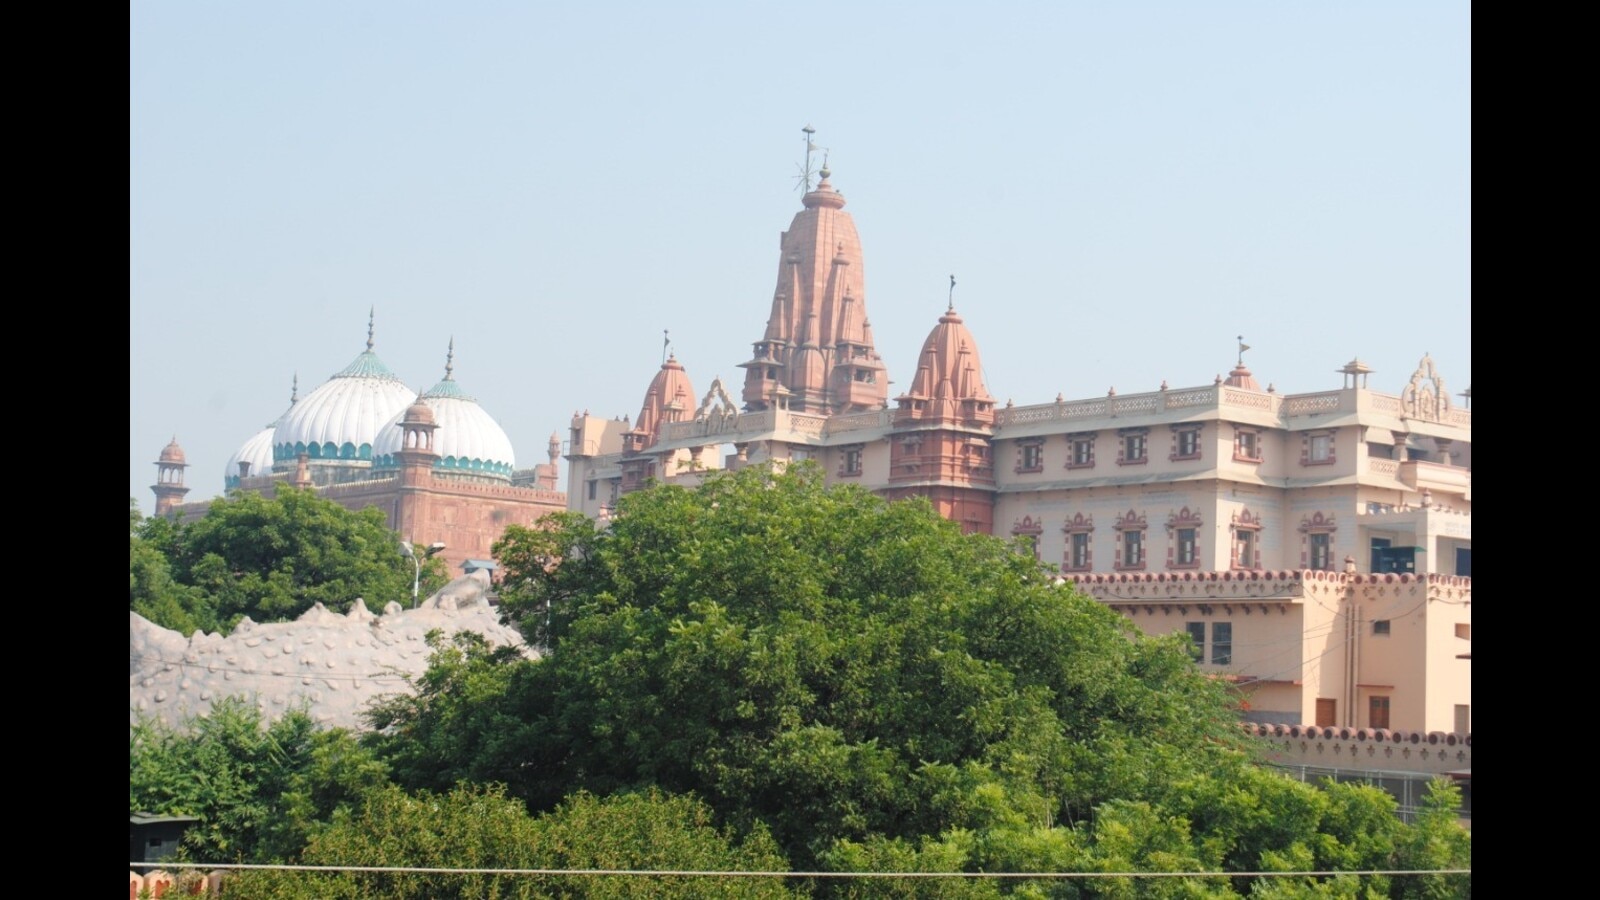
(409, 552)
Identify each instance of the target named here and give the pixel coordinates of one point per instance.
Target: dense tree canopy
(835, 666)
(768, 674)
(259, 790)
(269, 559)
(482, 828)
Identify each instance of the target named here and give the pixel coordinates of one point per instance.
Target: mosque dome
(340, 420)
(172, 454)
(257, 451)
(468, 440)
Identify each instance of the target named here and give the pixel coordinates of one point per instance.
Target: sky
(1120, 189)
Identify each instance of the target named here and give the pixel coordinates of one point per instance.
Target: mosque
(438, 464)
(1315, 547)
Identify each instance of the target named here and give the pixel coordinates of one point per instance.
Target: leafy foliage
(819, 660)
(258, 790)
(269, 559)
(482, 828)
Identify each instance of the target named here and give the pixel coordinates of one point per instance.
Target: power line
(701, 873)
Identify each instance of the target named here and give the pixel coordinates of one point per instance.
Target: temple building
(1315, 547)
(438, 464)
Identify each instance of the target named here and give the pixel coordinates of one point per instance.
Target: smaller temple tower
(670, 398)
(169, 488)
(940, 446)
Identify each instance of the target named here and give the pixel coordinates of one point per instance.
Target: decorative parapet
(1434, 752)
(1252, 584)
(1249, 400)
(1138, 405)
(1379, 466)
(800, 423)
(1312, 404)
(877, 419)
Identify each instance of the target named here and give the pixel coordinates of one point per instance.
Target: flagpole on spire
(952, 306)
(1242, 348)
(804, 178)
(666, 341)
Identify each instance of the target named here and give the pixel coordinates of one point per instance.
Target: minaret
(169, 489)
(417, 454)
(548, 476)
(818, 313)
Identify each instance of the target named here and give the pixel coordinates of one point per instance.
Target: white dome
(339, 421)
(257, 452)
(468, 439)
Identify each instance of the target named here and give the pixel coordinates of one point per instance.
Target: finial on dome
(294, 390)
(952, 306)
(450, 360)
(371, 316)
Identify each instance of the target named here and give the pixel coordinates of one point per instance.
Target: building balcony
(1418, 475)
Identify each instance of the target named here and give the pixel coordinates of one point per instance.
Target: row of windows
(1131, 546)
(1133, 447)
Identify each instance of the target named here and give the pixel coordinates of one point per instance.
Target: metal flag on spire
(804, 178)
(1242, 348)
(952, 305)
(666, 341)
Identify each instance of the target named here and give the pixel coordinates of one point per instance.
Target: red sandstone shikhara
(1315, 547)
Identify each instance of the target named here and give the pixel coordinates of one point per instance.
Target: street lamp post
(409, 552)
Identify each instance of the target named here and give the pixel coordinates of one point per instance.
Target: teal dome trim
(448, 388)
(451, 464)
(367, 365)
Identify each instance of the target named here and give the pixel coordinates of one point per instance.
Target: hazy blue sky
(1120, 188)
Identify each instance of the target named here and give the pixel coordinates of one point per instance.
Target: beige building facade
(1316, 547)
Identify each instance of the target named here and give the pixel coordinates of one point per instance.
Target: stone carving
(1425, 396)
(717, 410)
(331, 665)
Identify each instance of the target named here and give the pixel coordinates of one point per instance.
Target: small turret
(169, 488)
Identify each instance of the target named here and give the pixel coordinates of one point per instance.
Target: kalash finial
(450, 360)
(371, 315)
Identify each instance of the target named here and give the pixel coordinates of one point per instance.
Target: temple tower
(816, 355)
(941, 446)
(670, 398)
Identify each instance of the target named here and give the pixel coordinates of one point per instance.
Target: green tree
(832, 665)
(1436, 841)
(479, 827)
(269, 559)
(259, 790)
